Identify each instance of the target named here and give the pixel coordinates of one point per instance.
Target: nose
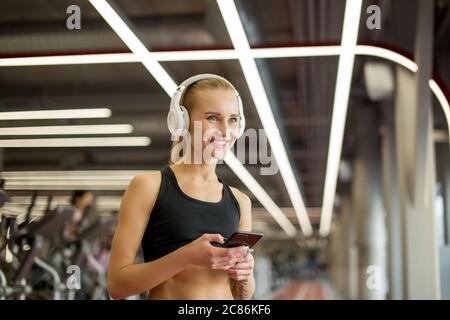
(225, 130)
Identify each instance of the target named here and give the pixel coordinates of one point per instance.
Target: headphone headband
(203, 76)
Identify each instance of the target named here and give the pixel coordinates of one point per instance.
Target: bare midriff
(194, 283)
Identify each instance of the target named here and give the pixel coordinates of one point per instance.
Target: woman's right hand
(201, 252)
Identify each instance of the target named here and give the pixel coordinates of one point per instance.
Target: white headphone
(178, 117)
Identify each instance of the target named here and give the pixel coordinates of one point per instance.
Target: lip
(220, 143)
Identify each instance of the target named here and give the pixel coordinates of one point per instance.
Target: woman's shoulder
(245, 206)
(240, 196)
(146, 181)
(140, 195)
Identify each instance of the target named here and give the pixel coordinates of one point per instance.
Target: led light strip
(135, 45)
(442, 101)
(72, 174)
(313, 51)
(342, 92)
(67, 178)
(155, 69)
(262, 196)
(187, 55)
(196, 55)
(76, 142)
(261, 101)
(56, 114)
(386, 54)
(68, 183)
(65, 130)
(69, 59)
(64, 187)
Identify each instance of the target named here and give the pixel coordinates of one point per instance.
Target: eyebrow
(218, 114)
(213, 113)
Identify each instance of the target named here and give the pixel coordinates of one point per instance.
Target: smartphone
(240, 238)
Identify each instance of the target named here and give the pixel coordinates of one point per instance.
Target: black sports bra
(177, 219)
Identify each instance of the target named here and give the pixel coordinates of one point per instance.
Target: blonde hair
(188, 98)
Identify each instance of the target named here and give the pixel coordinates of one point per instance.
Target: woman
(81, 202)
(176, 213)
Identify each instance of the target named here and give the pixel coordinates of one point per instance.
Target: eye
(212, 118)
(234, 119)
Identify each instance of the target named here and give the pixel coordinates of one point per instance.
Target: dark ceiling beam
(156, 32)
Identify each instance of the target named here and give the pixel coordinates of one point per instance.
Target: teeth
(220, 143)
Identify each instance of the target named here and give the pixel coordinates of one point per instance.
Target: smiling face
(216, 111)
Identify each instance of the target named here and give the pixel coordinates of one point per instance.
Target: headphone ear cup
(185, 120)
(172, 121)
(178, 121)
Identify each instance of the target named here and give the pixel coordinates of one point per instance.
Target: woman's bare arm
(243, 290)
(125, 278)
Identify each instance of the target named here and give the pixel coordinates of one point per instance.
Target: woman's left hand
(243, 269)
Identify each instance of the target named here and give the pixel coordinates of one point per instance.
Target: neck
(192, 164)
(204, 171)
